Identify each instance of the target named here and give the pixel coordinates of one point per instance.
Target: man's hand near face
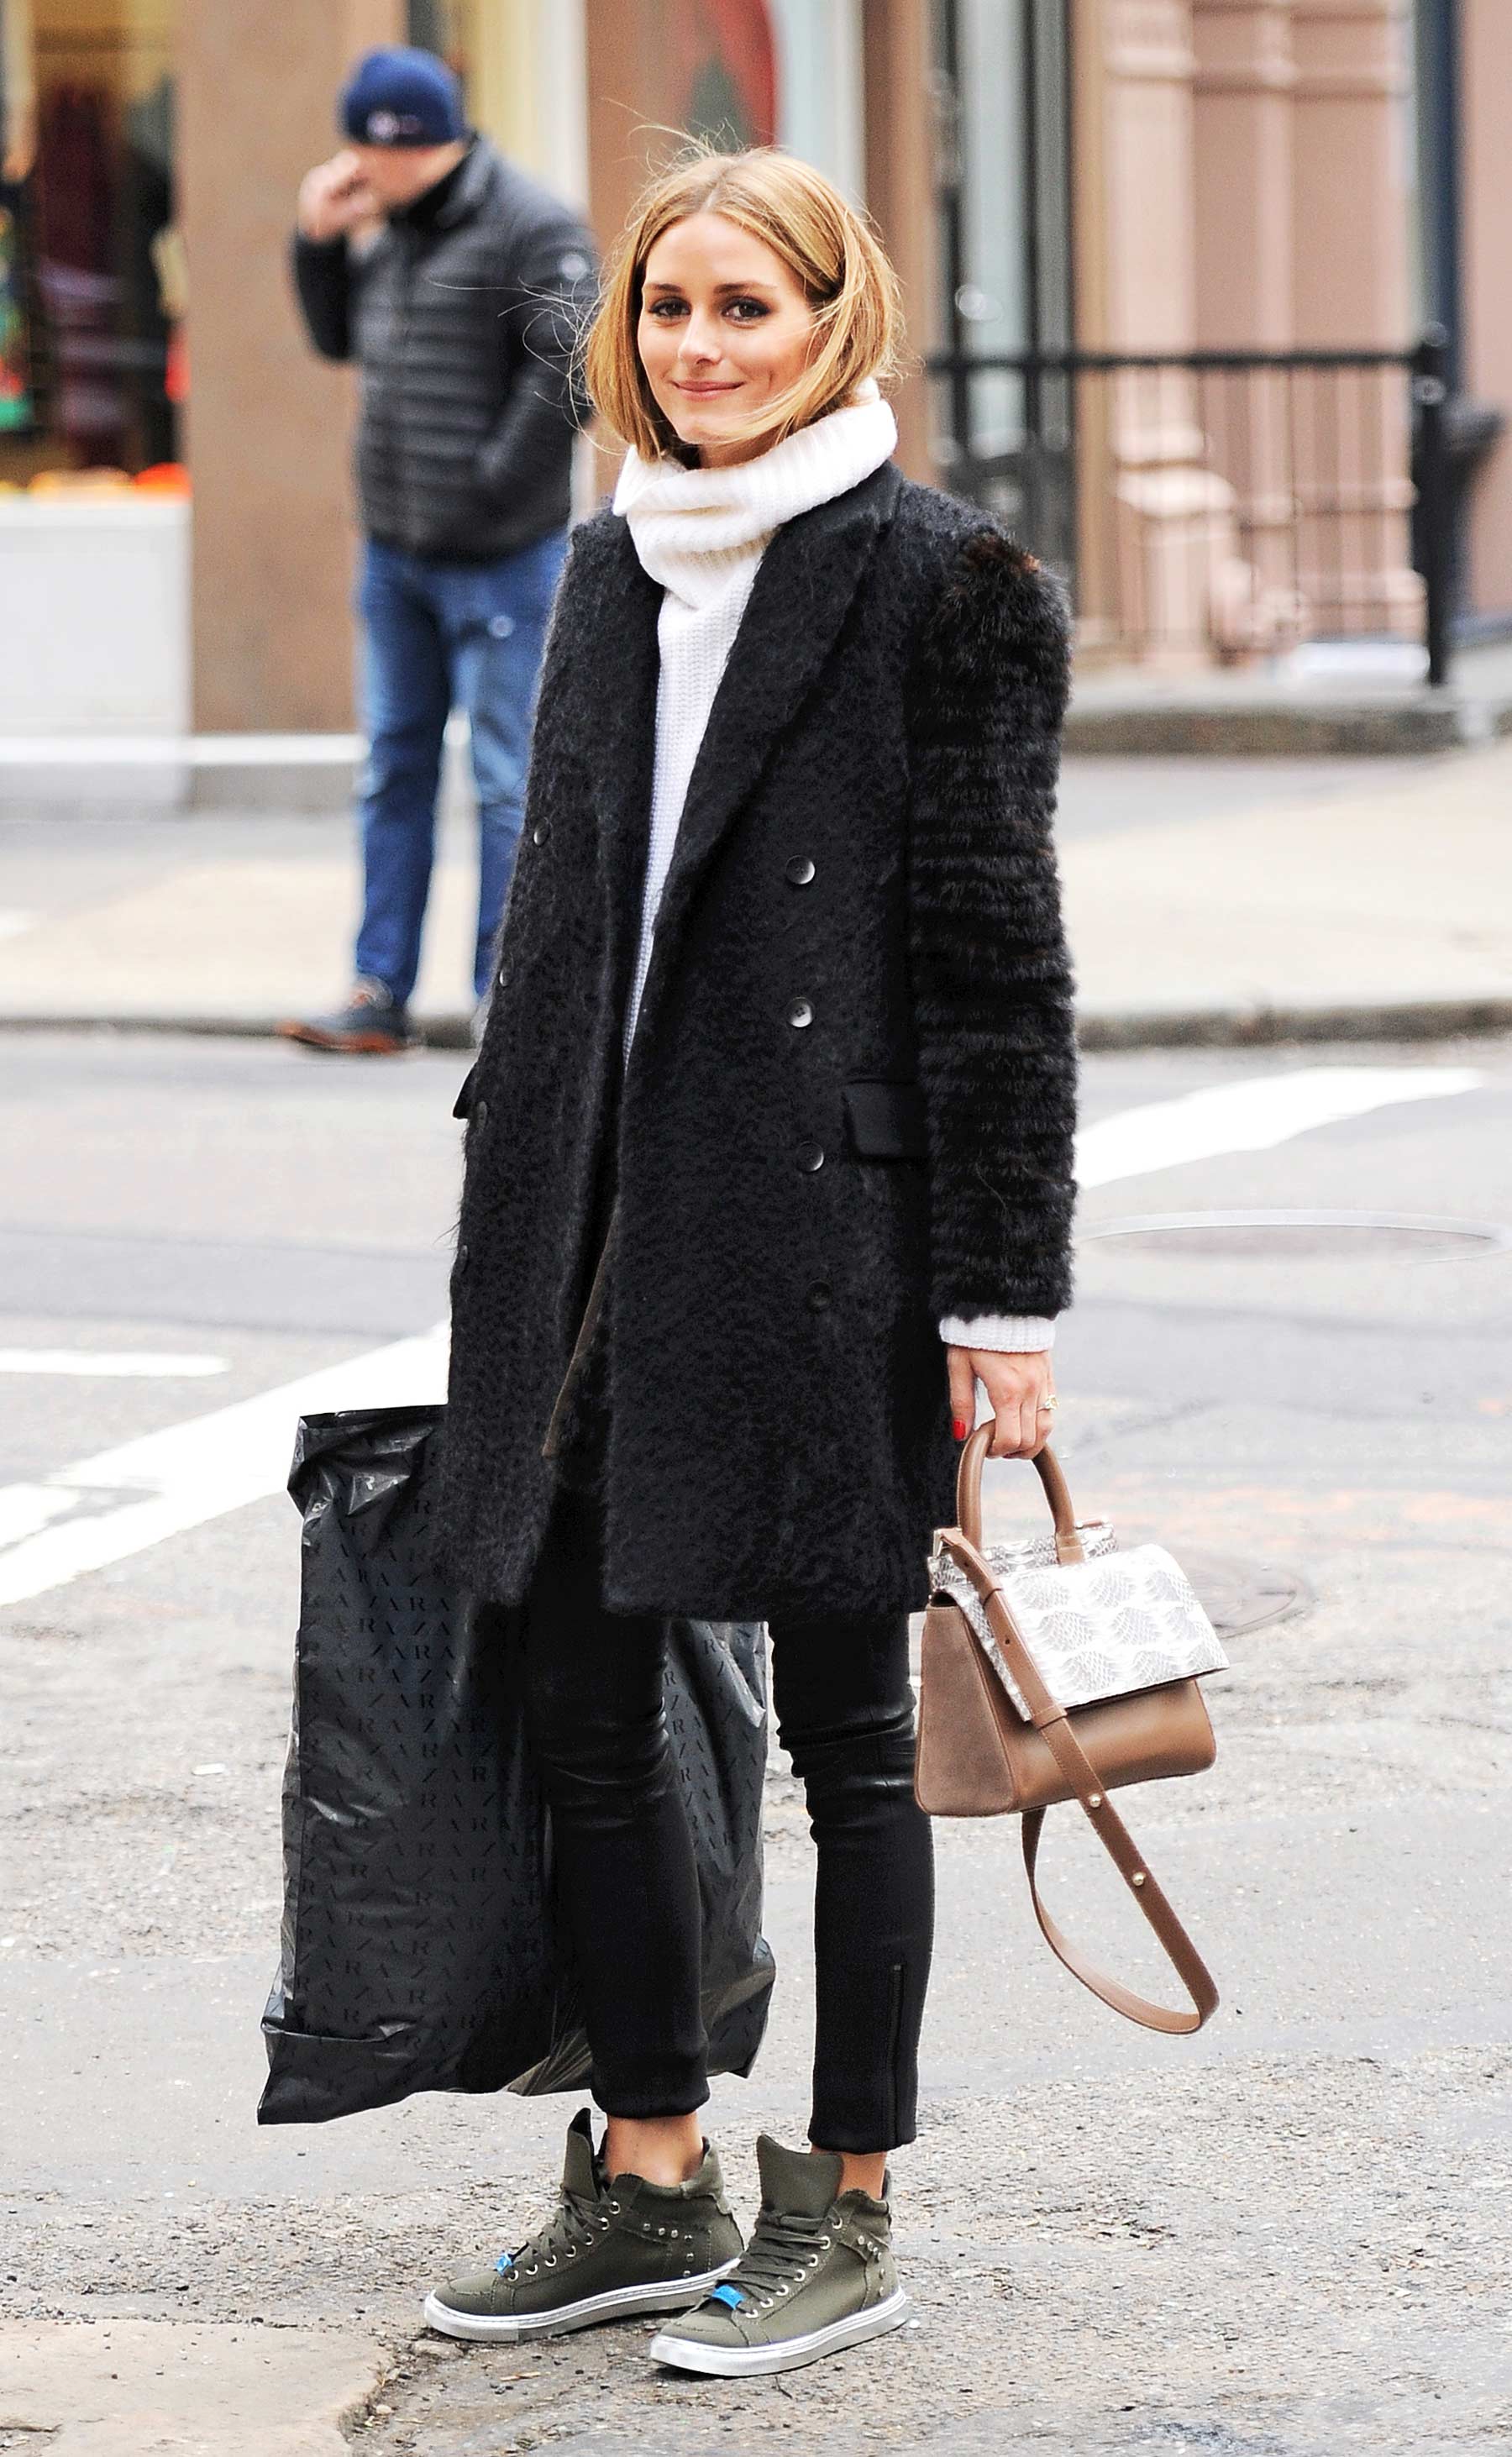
(335, 198)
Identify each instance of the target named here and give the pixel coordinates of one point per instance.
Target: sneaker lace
(785, 2245)
(573, 2227)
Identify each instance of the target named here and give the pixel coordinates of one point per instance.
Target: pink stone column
(1148, 64)
(1350, 272)
(1486, 86)
(1244, 246)
(268, 422)
(1245, 75)
(1156, 526)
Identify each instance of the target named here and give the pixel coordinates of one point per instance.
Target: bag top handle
(1068, 1546)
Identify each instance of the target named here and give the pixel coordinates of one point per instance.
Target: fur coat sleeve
(992, 981)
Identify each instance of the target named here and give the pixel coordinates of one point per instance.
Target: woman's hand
(1017, 1388)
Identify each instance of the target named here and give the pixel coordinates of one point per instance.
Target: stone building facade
(1135, 179)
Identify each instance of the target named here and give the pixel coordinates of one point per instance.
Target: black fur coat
(849, 1104)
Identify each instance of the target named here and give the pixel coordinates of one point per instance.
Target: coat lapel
(805, 588)
(621, 746)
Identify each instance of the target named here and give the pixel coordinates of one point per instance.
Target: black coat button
(464, 1258)
(540, 832)
(480, 1115)
(821, 1296)
(800, 1014)
(810, 1156)
(800, 871)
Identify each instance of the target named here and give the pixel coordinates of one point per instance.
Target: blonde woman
(768, 1170)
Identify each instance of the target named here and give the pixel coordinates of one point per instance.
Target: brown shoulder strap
(1052, 1720)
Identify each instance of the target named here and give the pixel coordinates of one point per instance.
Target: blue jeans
(443, 636)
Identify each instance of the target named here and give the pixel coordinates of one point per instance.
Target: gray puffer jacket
(462, 317)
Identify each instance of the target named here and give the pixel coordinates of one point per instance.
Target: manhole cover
(1232, 1235)
(1237, 1595)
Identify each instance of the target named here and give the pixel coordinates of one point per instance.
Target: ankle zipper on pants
(894, 2029)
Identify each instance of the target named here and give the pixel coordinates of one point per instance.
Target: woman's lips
(705, 391)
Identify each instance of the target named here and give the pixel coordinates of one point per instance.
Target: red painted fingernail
(959, 1427)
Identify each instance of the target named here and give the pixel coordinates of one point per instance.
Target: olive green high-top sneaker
(817, 2275)
(616, 2245)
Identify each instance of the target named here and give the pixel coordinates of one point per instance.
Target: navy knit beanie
(398, 96)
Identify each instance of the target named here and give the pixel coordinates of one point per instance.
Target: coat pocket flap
(885, 1121)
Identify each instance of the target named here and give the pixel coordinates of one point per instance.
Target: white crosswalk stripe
(122, 1365)
(1252, 1116)
(124, 1499)
(117, 1503)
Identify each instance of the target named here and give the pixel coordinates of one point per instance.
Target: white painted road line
(1253, 1116)
(110, 1506)
(123, 1365)
(122, 1500)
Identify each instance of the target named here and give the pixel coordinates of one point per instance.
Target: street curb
(1264, 1028)
(1236, 1027)
(1258, 729)
(436, 1032)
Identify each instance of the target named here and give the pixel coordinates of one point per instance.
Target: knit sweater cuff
(1014, 1334)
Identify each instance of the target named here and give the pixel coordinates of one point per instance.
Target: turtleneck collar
(694, 528)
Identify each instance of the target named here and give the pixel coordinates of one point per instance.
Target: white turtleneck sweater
(701, 533)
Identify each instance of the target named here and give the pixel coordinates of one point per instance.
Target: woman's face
(724, 328)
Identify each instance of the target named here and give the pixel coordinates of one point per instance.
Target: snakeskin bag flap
(1061, 1668)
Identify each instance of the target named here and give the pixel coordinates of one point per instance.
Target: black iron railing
(1221, 503)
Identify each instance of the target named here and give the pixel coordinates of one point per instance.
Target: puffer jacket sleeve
(991, 978)
(323, 282)
(546, 302)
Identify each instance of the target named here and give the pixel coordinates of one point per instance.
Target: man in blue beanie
(459, 286)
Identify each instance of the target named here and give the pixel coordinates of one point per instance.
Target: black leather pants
(628, 1887)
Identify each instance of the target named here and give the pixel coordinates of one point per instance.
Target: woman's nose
(701, 341)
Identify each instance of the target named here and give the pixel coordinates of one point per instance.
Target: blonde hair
(830, 249)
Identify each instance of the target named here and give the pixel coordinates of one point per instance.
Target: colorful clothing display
(16, 408)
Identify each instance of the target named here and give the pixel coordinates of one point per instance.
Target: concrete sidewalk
(121, 2386)
(1208, 900)
(1320, 702)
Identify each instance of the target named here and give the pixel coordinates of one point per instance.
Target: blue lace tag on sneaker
(505, 2261)
(731, 2295)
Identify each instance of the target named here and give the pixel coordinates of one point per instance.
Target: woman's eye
(665, 309)
(747, 311)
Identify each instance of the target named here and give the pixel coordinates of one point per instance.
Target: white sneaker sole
(737, 2363)
(503, 2327)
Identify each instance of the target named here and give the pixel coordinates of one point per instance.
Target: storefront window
(448, 29)
(724, 69)
(491, 45)
(702, 68)
(91, 279)
(763, 72)
(731, 72)
(1002, 88)
(820, 101)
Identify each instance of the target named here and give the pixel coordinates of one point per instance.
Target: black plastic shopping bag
(419, 1948)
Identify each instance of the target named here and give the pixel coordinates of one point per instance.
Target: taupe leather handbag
(1061, 1668)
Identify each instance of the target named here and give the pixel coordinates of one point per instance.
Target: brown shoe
(371, 1025)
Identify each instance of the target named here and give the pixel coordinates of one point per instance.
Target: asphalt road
(1290, 2237)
